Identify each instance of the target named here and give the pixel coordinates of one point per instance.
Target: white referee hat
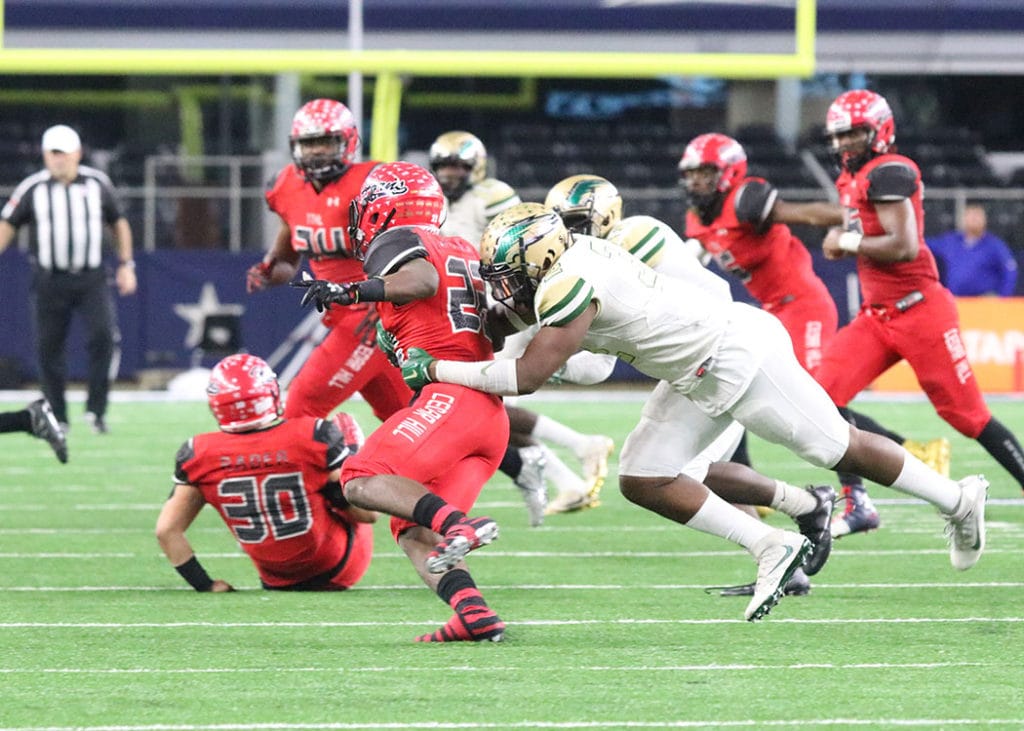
(62, 139)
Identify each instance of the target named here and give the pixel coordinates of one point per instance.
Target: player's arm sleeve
(186, 453)
(391, 249)
(564, 300)
(754, 202)
(891, 182)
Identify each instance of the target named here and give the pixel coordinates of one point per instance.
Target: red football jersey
(774, 265)
(884, 179)
(447, 325)
(319, 221)
(266, 486)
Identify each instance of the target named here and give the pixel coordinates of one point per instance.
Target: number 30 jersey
(266, 486)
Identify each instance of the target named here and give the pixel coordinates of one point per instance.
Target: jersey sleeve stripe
(648, 247)
(570, 306)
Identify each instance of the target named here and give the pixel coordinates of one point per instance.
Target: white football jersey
(659, 247)
(470, 214)
(666, 327)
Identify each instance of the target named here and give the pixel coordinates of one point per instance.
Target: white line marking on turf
(930, 723)
(737, 553)
(495, 669)
(552, 587)
(527, 622)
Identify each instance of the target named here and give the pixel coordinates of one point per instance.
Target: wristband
(193, 572)
(130, 264)
(371, 290)
(849, 241)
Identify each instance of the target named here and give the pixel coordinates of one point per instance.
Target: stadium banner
(992, 329)
(164, 323)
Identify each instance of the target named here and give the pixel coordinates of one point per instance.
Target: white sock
(919, 480)
(549, 430)
(792, 500)
(564, 479)
(719, 518)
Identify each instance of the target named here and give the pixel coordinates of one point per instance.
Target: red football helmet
(243, 393)
(863, 109)
(331, 124)
(395, 194)
(717, 151)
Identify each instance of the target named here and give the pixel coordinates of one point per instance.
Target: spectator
(974, 261)
(66, 203)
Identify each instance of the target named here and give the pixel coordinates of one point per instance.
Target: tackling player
(907, 313)
(312, 199)
(459, 162)
(427, 463)
(730, 361)
(274, 483)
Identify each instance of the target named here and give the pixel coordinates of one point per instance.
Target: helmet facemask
(701, 185)
(453, 175)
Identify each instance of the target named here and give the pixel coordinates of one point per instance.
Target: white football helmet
(588, 204)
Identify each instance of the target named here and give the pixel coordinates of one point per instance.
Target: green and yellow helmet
(588, 204)
(458, 149)
(518, 248)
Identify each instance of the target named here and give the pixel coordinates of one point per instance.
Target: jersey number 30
(276, 506)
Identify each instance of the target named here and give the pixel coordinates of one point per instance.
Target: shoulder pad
(891, 181)
(186, 453)
(563, 300)
(754, 201)
(393, 248)
(496, 196)
(642, 236)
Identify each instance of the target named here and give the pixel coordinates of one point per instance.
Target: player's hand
(324, 293)
(830, 246)
(388, 344)
(220, 586)
(257, 278)
(416, 368)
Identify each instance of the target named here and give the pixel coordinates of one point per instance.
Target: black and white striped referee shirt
(68, 220)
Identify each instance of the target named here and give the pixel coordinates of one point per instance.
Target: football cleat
(97, 422)
(46, 427)
(594, 459)
(858, 516)
(474, 624)
(815, 527)
(466, 535)
(530, 482)
(570, 502)
(965, 528)
(935, 453)
(779, 554)
(798, 585)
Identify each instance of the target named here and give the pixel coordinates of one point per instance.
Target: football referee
(68, 204)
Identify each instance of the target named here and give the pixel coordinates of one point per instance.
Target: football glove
(323, 293)
(416, 368)
(388, 344)
(257, 278)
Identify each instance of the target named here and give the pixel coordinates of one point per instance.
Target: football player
(312, 198)
(741, 222)
(459, 162)
(274, 483)
(907, 313)
(38, 420)
(716, 362)
(591, 205)
(427, 463)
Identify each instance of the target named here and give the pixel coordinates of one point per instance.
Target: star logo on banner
(195, 314)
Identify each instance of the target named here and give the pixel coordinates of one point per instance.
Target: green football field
(609, 623)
